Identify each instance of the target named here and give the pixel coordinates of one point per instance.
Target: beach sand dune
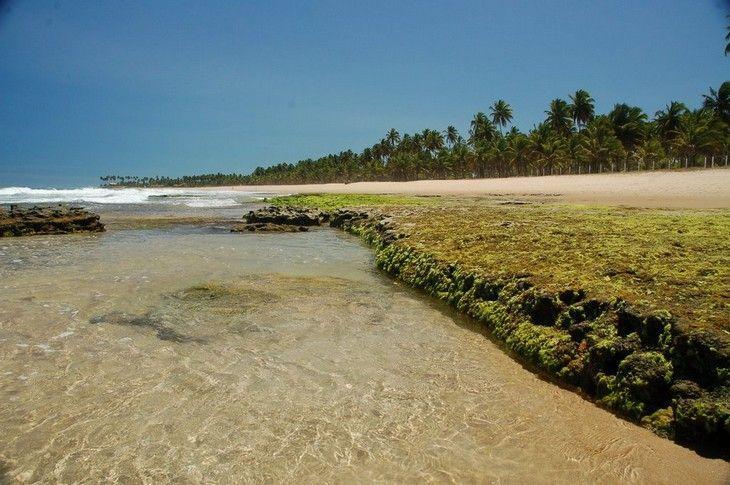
(699, 189)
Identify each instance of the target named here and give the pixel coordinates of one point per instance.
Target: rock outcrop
(60, 219)
(288, 216)
(268, 227)
(646, 367)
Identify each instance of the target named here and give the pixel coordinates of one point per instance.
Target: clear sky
(128, 87)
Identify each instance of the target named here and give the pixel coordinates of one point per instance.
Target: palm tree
(582, 106)
(519, 152)
(452, 135)
(599, 145)
(433, 140)
(392, 137)
(501, 113)
(628, 124)
(460, 158)
(667, 120)
(695, 135)
(481, 129)
(650, 151)
(727, 38)
(559, 116)
(719, 101)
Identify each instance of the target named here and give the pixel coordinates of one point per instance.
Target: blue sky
(172, 87)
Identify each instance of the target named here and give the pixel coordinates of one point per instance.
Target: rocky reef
(281, 219)
(60, 219)
(670, 379)
(268, 227)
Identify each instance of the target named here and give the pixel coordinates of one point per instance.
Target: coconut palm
(482, 129)
(501, 113)
(582, 107)
(719, 101)
(648, 153)
(667, 120)
(559, 116)
(629, 124)
(519, 152)
(393, 137)
(452, 135)
(695, 135)
(599, 146)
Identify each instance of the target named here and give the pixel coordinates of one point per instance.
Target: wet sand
(188, 354)
(696, 189)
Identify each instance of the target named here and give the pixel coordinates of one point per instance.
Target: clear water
(190, 354)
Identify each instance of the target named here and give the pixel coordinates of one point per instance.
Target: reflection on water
(187, 354)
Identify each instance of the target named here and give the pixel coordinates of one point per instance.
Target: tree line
(572, 139)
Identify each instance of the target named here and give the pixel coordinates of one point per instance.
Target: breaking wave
(97, 195)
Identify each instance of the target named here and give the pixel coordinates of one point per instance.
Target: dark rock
(647, 376)
(629, 320)
(594, 308)
(268, 227)
(653, 326)
(570, 296)
(542, 308)
(704, 420)
(47, 220)
(343, 218)
(684, 389)
(284, 216)
(701, 356)
(605, 354)
(578, 331)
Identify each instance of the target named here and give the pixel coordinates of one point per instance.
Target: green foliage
(572, 139)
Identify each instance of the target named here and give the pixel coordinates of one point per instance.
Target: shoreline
(644, 364)
(686, 189)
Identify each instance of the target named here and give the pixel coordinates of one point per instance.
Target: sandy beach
(697, 189)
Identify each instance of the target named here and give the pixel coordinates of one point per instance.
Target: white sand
(671, 189)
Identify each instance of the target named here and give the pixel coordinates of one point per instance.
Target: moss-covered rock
(647, 376)
(608, 348)
(706, 419)
(661, 422)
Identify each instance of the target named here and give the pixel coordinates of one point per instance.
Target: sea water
(186, 353)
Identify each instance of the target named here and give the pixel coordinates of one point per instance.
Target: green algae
(626, 355)
(330, 202)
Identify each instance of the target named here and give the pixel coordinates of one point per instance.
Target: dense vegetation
(571, 139)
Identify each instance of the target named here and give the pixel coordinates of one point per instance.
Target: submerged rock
(60, 219)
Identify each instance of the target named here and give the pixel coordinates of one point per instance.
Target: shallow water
(191, 354)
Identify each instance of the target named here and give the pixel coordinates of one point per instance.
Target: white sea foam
(97, 195)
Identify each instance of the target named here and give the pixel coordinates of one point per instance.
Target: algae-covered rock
(59, 219)
(706, 419)
(609, 348)
(701, 356)
(606, 350)
(285, 216)
(542, 308)
(684, 389)
(646, 376)
(268, 227)
(640, 386)
(628, 319)
(342, 218)
(660, 422)
(570, 296)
